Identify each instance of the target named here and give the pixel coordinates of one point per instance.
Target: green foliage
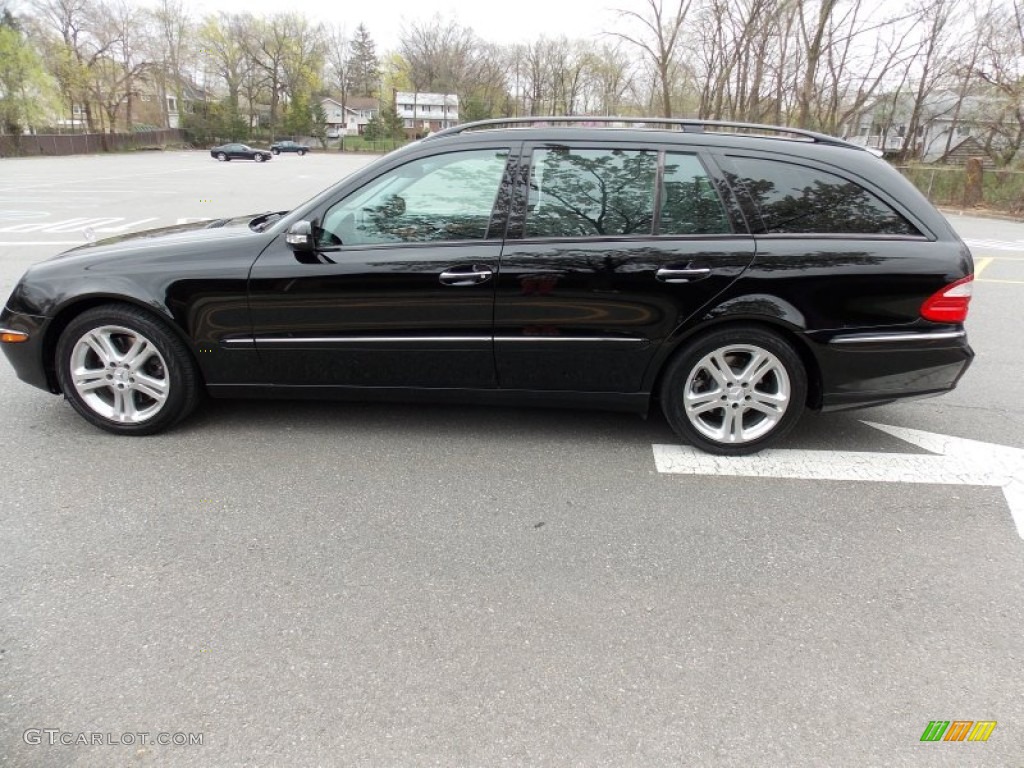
(213, 123)
(298, 119)
(392, 126)
(24, 85)
(475, 108)
(374, 130)
(319, 127)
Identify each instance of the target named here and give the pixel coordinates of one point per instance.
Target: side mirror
(300, 237)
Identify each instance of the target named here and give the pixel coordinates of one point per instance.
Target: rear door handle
(681, 275)
(466, 275)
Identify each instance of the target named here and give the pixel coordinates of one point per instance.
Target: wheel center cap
(735, 393)
(121, 375)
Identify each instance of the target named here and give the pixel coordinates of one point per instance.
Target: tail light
(949, 304)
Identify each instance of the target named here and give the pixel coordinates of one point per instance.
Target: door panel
(400, 292)
(588, 289)
(589, 315)
(375, 317)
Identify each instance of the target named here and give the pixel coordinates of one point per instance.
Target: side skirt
(629, 402)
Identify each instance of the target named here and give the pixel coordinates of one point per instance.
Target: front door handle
(466, 275)
(681, 275)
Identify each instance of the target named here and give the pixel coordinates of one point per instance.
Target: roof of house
(409, 97)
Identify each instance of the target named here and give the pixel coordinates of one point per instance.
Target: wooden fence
(86, 143)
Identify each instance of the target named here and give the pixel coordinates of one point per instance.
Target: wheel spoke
(768, 403)
(138, 353)
(151, 387)
(732, 425)
(88, 379)
(703, 402)
(124, 405)
(759, 365)
(100, 343)
(719, 370)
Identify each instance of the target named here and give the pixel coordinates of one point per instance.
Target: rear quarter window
(797, 199)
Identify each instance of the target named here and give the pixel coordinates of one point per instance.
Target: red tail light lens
(949, 304)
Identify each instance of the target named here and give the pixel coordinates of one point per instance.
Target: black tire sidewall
(674, 382)
(181, 370)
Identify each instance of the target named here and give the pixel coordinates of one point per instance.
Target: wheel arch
(787, 331)
(72, 309)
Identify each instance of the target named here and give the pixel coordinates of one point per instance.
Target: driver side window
(438, 198)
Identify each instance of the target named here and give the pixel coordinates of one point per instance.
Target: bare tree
(658, 39)
(172, 49)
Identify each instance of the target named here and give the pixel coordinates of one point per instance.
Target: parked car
(234, 151)
(288, 146)
(735, 279)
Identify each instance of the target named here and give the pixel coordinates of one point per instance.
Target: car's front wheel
(222, 157)
(302, 152)
(276, 151)
(259, 158)
(124, 371)
(735, 391)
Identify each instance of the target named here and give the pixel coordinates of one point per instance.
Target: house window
(172, 104)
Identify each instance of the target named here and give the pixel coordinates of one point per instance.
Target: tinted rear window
(800, 200)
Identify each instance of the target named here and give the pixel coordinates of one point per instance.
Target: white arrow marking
(81, 226)
(37, 227)
(952, 461)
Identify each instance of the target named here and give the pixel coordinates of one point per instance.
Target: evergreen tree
(363, 65)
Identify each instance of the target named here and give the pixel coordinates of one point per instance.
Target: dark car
(236, 151)
(288, 146)
(736, 274)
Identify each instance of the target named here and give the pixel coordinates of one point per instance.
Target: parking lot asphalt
(320, 584)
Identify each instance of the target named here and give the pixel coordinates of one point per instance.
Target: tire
(125, 371)
(715, 402)
(302, 152)
(222, 157)
(259, 158)
(276, 151)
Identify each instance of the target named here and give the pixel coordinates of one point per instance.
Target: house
(426, 112)
(157, 100)
(350, 120)
(942, 127)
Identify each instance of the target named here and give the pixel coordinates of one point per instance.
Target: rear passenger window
(801, 200)
(591, 192)
(689, 203)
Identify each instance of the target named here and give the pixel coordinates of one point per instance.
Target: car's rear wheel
(735, 391)
(302, 152)
(276, 152)
(222, 157)
(124, 371)
(259, 158)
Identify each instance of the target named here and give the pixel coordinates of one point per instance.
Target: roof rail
(688, 125)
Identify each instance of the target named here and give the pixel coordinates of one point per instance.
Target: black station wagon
(737, 274)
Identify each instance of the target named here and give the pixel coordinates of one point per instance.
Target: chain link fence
(1001, 190)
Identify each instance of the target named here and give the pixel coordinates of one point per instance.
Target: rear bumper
(863, 369)
(27, 356)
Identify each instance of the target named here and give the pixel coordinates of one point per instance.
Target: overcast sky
(496, 22)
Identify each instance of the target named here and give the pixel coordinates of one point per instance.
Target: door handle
(462, 276)
(681, 275)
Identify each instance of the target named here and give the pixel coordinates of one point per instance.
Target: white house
(352, 120)
(426, 112)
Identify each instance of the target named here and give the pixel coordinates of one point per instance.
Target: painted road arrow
(952, 461)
